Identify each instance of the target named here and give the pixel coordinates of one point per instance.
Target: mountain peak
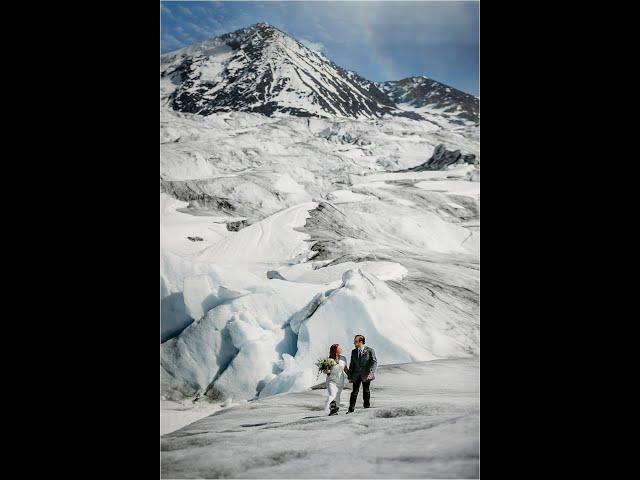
(256, 27)
(426, 95)
(264, 26)
(261, 69)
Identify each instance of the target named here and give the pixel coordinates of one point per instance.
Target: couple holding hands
(361, 371)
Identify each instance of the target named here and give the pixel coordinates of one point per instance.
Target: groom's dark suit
(362, 370)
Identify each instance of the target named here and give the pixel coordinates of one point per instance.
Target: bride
(335, 380)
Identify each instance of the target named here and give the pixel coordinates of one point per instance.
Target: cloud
(185, 11)
(169, 42)
(165, 10)
(314, 46)
(199, 30)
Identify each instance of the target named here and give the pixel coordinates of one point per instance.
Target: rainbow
(385, 63)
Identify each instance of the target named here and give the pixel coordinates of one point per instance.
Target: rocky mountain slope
(429, 97)
(261, 69)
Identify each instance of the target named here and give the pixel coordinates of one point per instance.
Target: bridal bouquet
(325, 364)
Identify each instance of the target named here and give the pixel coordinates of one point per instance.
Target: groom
(361, 370)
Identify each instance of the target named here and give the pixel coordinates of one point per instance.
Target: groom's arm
(374, 362)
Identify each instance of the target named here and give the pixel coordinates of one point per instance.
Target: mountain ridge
(422, 92)
(261, 69)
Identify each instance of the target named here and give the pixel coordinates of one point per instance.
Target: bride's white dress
(335, 384)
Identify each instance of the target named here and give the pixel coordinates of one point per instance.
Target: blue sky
(381, 41)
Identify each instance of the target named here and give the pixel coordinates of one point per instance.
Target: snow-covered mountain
(261, 69)
(431, 98)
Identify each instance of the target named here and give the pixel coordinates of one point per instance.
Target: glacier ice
(318, 204)
(424, 423)
(363, 304)
(201, 295)
(231, 349)
(269, 346)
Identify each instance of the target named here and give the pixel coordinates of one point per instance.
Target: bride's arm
(346, 369)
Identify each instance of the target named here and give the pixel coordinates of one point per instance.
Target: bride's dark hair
(333, 351)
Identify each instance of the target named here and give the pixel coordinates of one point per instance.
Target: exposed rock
(274, 274)
(235, 226)
(328, 226)
(442, 158)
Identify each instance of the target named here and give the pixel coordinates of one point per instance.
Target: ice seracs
(234, 349)
(201, 295)
(363, 303)
(261, 344)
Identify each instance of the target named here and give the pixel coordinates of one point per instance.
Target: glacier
(282, 234)
(426, 426)
(410, 238)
